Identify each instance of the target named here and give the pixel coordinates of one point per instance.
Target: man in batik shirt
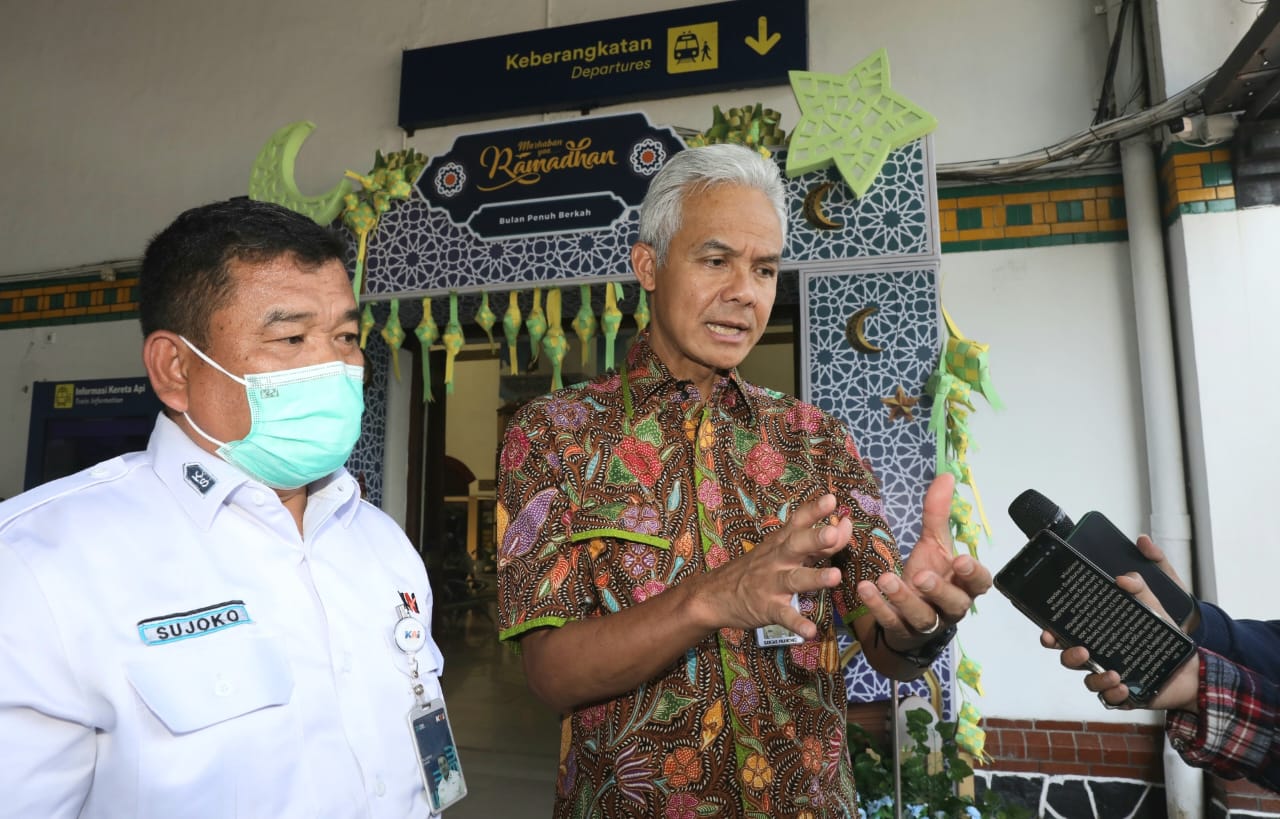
(651, 520)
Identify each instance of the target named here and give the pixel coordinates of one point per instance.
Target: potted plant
(929, 775)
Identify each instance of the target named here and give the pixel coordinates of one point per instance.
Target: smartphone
(437, 755)
(1098, 539)
(1068, 595)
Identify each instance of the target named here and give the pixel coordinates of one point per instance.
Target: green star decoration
(853, 120)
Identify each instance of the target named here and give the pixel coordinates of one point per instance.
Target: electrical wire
(1064, 156)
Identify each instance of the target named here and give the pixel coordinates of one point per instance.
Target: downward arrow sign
(763, 42)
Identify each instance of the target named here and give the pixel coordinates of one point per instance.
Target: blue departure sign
(716, 47)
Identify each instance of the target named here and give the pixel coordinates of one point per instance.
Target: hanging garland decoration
(962, 370)
(611, 320)
(536, 324)
(427, 332)
(391, 179)
(453, 340)
(511, 327)
(486, 318)
(393, 335)
(584, 323)
(554, 341)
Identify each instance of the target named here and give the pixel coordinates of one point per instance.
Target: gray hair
(694, 170)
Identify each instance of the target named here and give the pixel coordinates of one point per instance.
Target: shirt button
(379, 787)
(98, 471)
(347, 662)
(223, 688)
(259, 498)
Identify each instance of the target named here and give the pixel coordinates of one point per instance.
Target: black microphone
(1033, 512)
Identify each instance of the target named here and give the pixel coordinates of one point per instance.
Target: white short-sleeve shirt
(171, 646)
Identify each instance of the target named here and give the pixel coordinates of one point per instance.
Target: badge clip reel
(774, 635)
(429, 723)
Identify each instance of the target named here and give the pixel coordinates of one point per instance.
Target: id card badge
(437, 755)
(775, 635)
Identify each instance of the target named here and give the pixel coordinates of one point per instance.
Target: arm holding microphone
(1222, 705)
(1220, 715)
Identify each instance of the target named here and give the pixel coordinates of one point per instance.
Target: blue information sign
(568, 176)
(738, 44)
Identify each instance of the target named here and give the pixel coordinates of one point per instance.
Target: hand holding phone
(1081, 605)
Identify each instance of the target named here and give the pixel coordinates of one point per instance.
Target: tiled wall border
(68, 301)
(1195, 180)
(1034, 214)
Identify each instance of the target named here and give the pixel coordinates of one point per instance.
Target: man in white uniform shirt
(206, 628)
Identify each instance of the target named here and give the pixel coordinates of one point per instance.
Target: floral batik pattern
(612, 492)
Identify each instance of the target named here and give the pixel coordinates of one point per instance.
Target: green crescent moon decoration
(272, 180)
(853, 120)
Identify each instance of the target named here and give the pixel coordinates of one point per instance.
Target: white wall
(128, 112)
(1197, 35)
(1227, 292)
(1064, 360)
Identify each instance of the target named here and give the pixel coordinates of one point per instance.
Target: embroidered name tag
(170, 627)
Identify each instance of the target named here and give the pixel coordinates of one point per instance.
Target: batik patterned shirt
(1234, 734)
(613, 491)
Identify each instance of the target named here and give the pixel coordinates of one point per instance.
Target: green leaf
(744, 440)
(649, 431)
(670, 705)
(793, 474)
(618, 472)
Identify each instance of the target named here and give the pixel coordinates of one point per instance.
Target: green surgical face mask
(305, 422)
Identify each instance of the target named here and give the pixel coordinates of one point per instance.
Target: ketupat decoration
(584, 323)
(427, 332)
(511, 321)
(366, 324)
(751, 125)
(391, 179)
(536, 324)
(554, 341)
(610, 320)
(393, 334)
(642, 311)
(486, 318)
(962, 370)
(858, 143)
(453, 340)
(272, 180)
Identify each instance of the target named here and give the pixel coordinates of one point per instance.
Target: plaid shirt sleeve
(1235, 733)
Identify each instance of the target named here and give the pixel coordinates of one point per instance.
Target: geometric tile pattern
(849, 384)
(68, 301)
(1195, 180)
(893, 217)
(1034, 214)
(366, 461)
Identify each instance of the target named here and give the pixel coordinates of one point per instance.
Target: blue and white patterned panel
(418, 250)
(897, 216)
(849, 384)
(367, 458)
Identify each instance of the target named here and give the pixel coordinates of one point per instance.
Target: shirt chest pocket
(633, 555)
(190, 686)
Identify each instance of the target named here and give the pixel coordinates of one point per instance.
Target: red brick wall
(1092, 749)
(1241, 795)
